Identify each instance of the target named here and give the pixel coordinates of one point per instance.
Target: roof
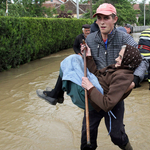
(54, 1)
(71, 5)
(137, 7)
(52, 4)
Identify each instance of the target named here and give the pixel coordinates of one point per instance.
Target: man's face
(86, 32)
(106, 23)
(128, 30)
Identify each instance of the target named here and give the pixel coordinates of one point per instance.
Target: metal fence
(140, 28)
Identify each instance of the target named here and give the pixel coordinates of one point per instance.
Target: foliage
(65, 15)
(17, 10)
(26, 8)
(62, 7)
(94, 7)
(69, 11)
(2, 12)
(25, 39)
(147, 12)
(3, 6)
(125, 11)
(107, 1)
(62, 14)
(4, 2)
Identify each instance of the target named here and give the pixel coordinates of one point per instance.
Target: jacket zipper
(105, 53)
(106, 57)
(98, 50)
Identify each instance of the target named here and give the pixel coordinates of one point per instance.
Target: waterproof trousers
(117, 134)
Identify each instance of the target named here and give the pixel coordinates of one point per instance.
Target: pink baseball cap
(105, 9)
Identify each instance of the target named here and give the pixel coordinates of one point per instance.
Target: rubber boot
(128, 147)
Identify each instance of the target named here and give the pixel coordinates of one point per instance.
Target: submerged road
(30, 123)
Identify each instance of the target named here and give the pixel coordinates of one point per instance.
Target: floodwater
(30, 123)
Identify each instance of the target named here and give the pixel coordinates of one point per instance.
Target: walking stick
(86, 100)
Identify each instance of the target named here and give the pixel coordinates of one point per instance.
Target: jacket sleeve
(90, 63)
(140, 71)
(118, 86)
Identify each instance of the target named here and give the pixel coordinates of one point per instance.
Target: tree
(62, 8)
(3, 6)
(125, 11)
(26, 8)
(94, 7)
(147, 12)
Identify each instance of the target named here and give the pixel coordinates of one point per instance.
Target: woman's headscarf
(131, 58)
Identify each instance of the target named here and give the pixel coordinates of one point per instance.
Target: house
(137, 7)
(52, 3)
(69, 5)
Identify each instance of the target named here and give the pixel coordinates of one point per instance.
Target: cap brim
(107, 13)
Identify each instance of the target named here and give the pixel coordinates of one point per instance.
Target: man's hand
(86, 83)
(85, 47)
(132, 85)
(136, 80)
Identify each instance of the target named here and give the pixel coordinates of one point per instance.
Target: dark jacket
(144, 43)
(94, 27)
(77, 42)
(104, 57)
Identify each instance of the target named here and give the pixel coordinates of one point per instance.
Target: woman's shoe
(48, 99)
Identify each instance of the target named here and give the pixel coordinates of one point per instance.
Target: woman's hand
(86, 83)
(132, 85)
(85, 47)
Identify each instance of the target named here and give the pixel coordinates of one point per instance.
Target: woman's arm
(118, 87)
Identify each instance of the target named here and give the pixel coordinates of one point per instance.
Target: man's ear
(115, 19)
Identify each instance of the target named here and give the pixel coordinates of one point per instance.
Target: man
(94, 26)
(78, 39)
(144, 47)
(105, 44)
(127, 28)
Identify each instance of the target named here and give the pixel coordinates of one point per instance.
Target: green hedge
(25, 39)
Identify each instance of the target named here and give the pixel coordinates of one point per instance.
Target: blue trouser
(117, 134)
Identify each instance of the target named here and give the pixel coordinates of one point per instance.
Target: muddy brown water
(29, 123)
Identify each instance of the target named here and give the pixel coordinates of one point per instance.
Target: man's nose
(102, 21)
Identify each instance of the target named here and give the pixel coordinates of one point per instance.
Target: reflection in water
(30, 123)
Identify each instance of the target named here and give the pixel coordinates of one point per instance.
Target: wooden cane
(86, 100)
